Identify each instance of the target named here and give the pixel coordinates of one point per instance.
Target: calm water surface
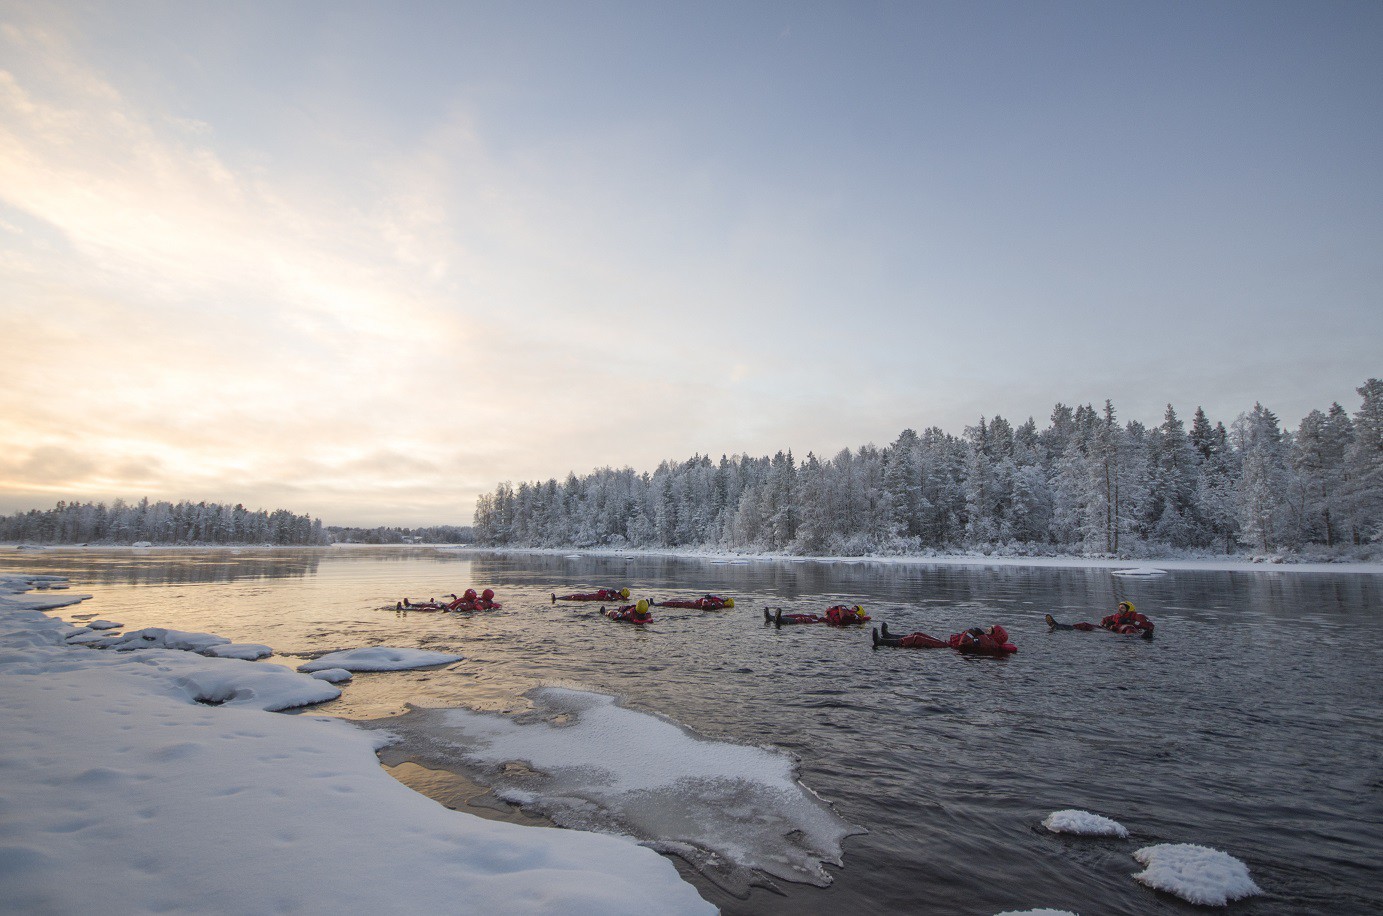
(1251, 724)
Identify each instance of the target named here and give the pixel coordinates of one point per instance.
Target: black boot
(874, 633)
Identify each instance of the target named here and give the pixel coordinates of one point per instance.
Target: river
(1250, 724)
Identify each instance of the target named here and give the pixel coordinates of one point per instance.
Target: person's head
(488, 594)
(624, 593)
(470, 594)
(999, 633)
(729, 602)
(1125, 607)
(641, 609)
(858, 610)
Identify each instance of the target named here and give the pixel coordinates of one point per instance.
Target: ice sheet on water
(1084, 823)
(1194, 873)
(1141, 571)
(379, 658)
(1043, 912)
(161, 638)
(589, 763)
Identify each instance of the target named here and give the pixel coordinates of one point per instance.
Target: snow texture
(1084, 823)
(124, 792)
(333, 675)
(379, 658)
(1196, 874)
(1141, 571)
(586, 762)
(249, 651)
(1036, 913)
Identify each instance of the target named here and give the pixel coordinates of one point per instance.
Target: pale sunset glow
(365, 261)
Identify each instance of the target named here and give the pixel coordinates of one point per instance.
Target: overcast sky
(367, 260)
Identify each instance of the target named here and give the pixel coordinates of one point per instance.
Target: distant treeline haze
(160, 523)
(1085, 484)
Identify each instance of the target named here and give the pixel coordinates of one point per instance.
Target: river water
(1251, 724)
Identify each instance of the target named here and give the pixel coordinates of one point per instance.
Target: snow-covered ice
(248, 651)
(1143, 571)
(123, 791)
(333, 675)
(379, 658)
(587, 762)
(1073, 820)
(1036, 913)
(161, 638)
(1196, 874)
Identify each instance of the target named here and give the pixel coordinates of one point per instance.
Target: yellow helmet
(642, 606)
(729, 602)
(1127, 604)
(624, 593)
(859, 610)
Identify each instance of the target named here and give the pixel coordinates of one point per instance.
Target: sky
(368, 260)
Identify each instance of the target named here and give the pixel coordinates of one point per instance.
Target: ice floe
(1148, 571)
(585, 761)
(248, 651)
(1196, 874)
(1083, 823)
(379, 658)
(333, 675)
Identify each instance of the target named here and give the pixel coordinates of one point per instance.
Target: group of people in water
(992, 640)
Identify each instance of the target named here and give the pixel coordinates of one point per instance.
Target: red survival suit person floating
(974, 641)
(631, 613)
(603, 594)
(1126, 620)
(839, 615)
(470, 601)
(704, 603)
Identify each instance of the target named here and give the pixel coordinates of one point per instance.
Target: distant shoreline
(1139, 566)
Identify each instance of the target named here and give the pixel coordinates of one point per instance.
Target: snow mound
(1196, 874)
(242, 683)
(1083, 823)
(587, 762)
(333, 675)
(248, 651)
(379, 658)
(1141, 571)
(159, 638)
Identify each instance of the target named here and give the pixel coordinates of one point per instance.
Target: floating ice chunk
(1036, 913)
(241, 683)
(159, 638)
(104, 625)
(333, 675)
(1196, 874)
(84, 637)
(1141, 571)
(589, 763)
(1084, 823)
(379, 658)
(249, 651)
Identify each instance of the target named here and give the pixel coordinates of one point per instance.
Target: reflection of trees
(171, 567)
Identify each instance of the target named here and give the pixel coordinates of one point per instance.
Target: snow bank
(123, 792)
(160, 638)
(586, 762)
(1195, 873)
(1083, 823)
(378, 658)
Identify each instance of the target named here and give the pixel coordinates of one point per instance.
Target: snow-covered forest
(1085, 484)
(160, 523)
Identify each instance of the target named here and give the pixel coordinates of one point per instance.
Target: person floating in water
(991, 640)
(632, 613)
(839, 615)
(470, 601)
(704, 603)
(1125, 620)
(604, 594)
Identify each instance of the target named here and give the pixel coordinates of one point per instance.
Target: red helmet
(470, 594)
(999, 633)
(488, 594)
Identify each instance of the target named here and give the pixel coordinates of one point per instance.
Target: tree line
(161, 523)
(435, 534)
(1085, 484)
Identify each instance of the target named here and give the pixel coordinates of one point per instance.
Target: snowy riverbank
(125, 791)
